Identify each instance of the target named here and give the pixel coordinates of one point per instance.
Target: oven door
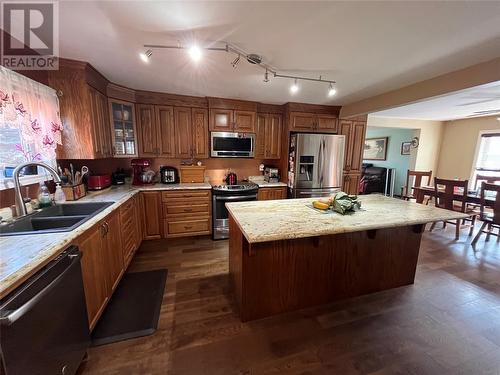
(232, 145)
(220, 216)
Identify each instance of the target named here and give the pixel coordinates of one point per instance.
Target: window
(30, 127)
(487, 161)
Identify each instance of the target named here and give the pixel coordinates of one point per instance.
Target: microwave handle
(234, 198)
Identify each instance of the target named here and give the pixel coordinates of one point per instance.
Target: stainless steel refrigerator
(315, 164)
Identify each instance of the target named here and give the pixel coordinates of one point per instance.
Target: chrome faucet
(20, 205)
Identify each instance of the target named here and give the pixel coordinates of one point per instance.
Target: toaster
(98, 181)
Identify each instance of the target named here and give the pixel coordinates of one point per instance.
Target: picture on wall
(375, 148)
(405, 148)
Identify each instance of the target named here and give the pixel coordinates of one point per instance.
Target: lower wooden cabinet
(187, 213)
(102, 264)
(130, 228)
(271, 193)
(351, 183)
(152, 215)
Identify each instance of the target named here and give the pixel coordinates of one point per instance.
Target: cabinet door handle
(187, 227)
(188, 210)
(103, 230)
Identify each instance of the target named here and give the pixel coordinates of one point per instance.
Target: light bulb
(195, 53)
(294, 88)
(145, 55)
(332, 90)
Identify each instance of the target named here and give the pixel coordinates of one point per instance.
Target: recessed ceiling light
(145, 55)
(332, 90)
(294, 87)
(195, 53)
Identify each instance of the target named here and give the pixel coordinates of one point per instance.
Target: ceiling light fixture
(236, 61)
(195, 53)
(146, 55)
(332, 90)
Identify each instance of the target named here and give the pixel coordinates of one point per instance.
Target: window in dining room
(487, 161)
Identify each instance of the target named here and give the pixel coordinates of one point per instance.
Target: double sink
(60, 218)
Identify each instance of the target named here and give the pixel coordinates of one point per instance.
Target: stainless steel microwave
(232, 145)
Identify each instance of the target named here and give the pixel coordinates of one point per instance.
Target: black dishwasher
(43, 324)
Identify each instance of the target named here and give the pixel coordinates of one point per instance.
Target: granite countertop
(22, 255)
(262, 221)
(259, 180)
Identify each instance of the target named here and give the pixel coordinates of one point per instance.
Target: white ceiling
(367, 47)
(474, 102)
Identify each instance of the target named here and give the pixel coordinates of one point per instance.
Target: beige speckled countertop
(23, 255)
(262, 221)
(259, 180)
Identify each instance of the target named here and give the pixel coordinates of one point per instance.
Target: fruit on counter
(321, 205)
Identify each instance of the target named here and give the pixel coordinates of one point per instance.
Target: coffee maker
(142, 174)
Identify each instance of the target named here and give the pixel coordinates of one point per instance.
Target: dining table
(473, 197)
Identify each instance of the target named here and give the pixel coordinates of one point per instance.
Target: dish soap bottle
(44, 196)
(59, 196)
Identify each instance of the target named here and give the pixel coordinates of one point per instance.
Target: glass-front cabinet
(123, 128)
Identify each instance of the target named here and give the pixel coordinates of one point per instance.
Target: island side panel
(287, 275)
(236, 240)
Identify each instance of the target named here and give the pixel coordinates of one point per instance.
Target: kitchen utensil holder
(74, 192)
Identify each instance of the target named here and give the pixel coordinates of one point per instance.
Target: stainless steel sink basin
(60, 218)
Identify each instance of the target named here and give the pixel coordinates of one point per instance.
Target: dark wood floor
(448, 322)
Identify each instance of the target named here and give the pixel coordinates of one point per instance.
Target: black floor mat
(134, 308)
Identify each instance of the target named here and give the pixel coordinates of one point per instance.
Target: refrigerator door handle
(320, 163)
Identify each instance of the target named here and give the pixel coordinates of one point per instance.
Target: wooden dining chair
(407, 190)
(490, 219)
(444, 193)
(487, 179)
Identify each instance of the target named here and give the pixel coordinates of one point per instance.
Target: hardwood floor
(448, 322)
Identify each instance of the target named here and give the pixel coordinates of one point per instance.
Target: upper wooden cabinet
(244, 121)
(311, 122)
(221, 120)
(123, 129)
(147, 131)
(84, 111)
(354, 132)
(172, 132)
(165, 130)
(268, 133)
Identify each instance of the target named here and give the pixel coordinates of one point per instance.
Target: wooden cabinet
(311, 122)
(268, 133)
(271, 193)
(147, 131)
(354, 132)
(186, 213)
(229, 120)
(112, 246)
(221, 120)
(244, 121)
(123, 129)
(130, 228)
(94, 272)
(351, 183)
(83, 108)
(183, 133)
(102, 264)
(172, 132)
(165, 131)
(152, 214)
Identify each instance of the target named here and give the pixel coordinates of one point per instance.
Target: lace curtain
(30, 126)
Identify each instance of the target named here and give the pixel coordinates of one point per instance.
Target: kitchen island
(284, 255)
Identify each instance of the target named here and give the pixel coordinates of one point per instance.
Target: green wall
(394, 158)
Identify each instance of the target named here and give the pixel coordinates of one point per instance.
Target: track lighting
(195, 53)
(236, 61)
(266, 76)
(332, 90)
(146, 55)
(295, 87)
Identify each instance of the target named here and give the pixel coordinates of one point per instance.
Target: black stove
(222, 194)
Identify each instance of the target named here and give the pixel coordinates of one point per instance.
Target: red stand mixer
(142, 174)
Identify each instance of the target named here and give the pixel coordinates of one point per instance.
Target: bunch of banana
(340, 202)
